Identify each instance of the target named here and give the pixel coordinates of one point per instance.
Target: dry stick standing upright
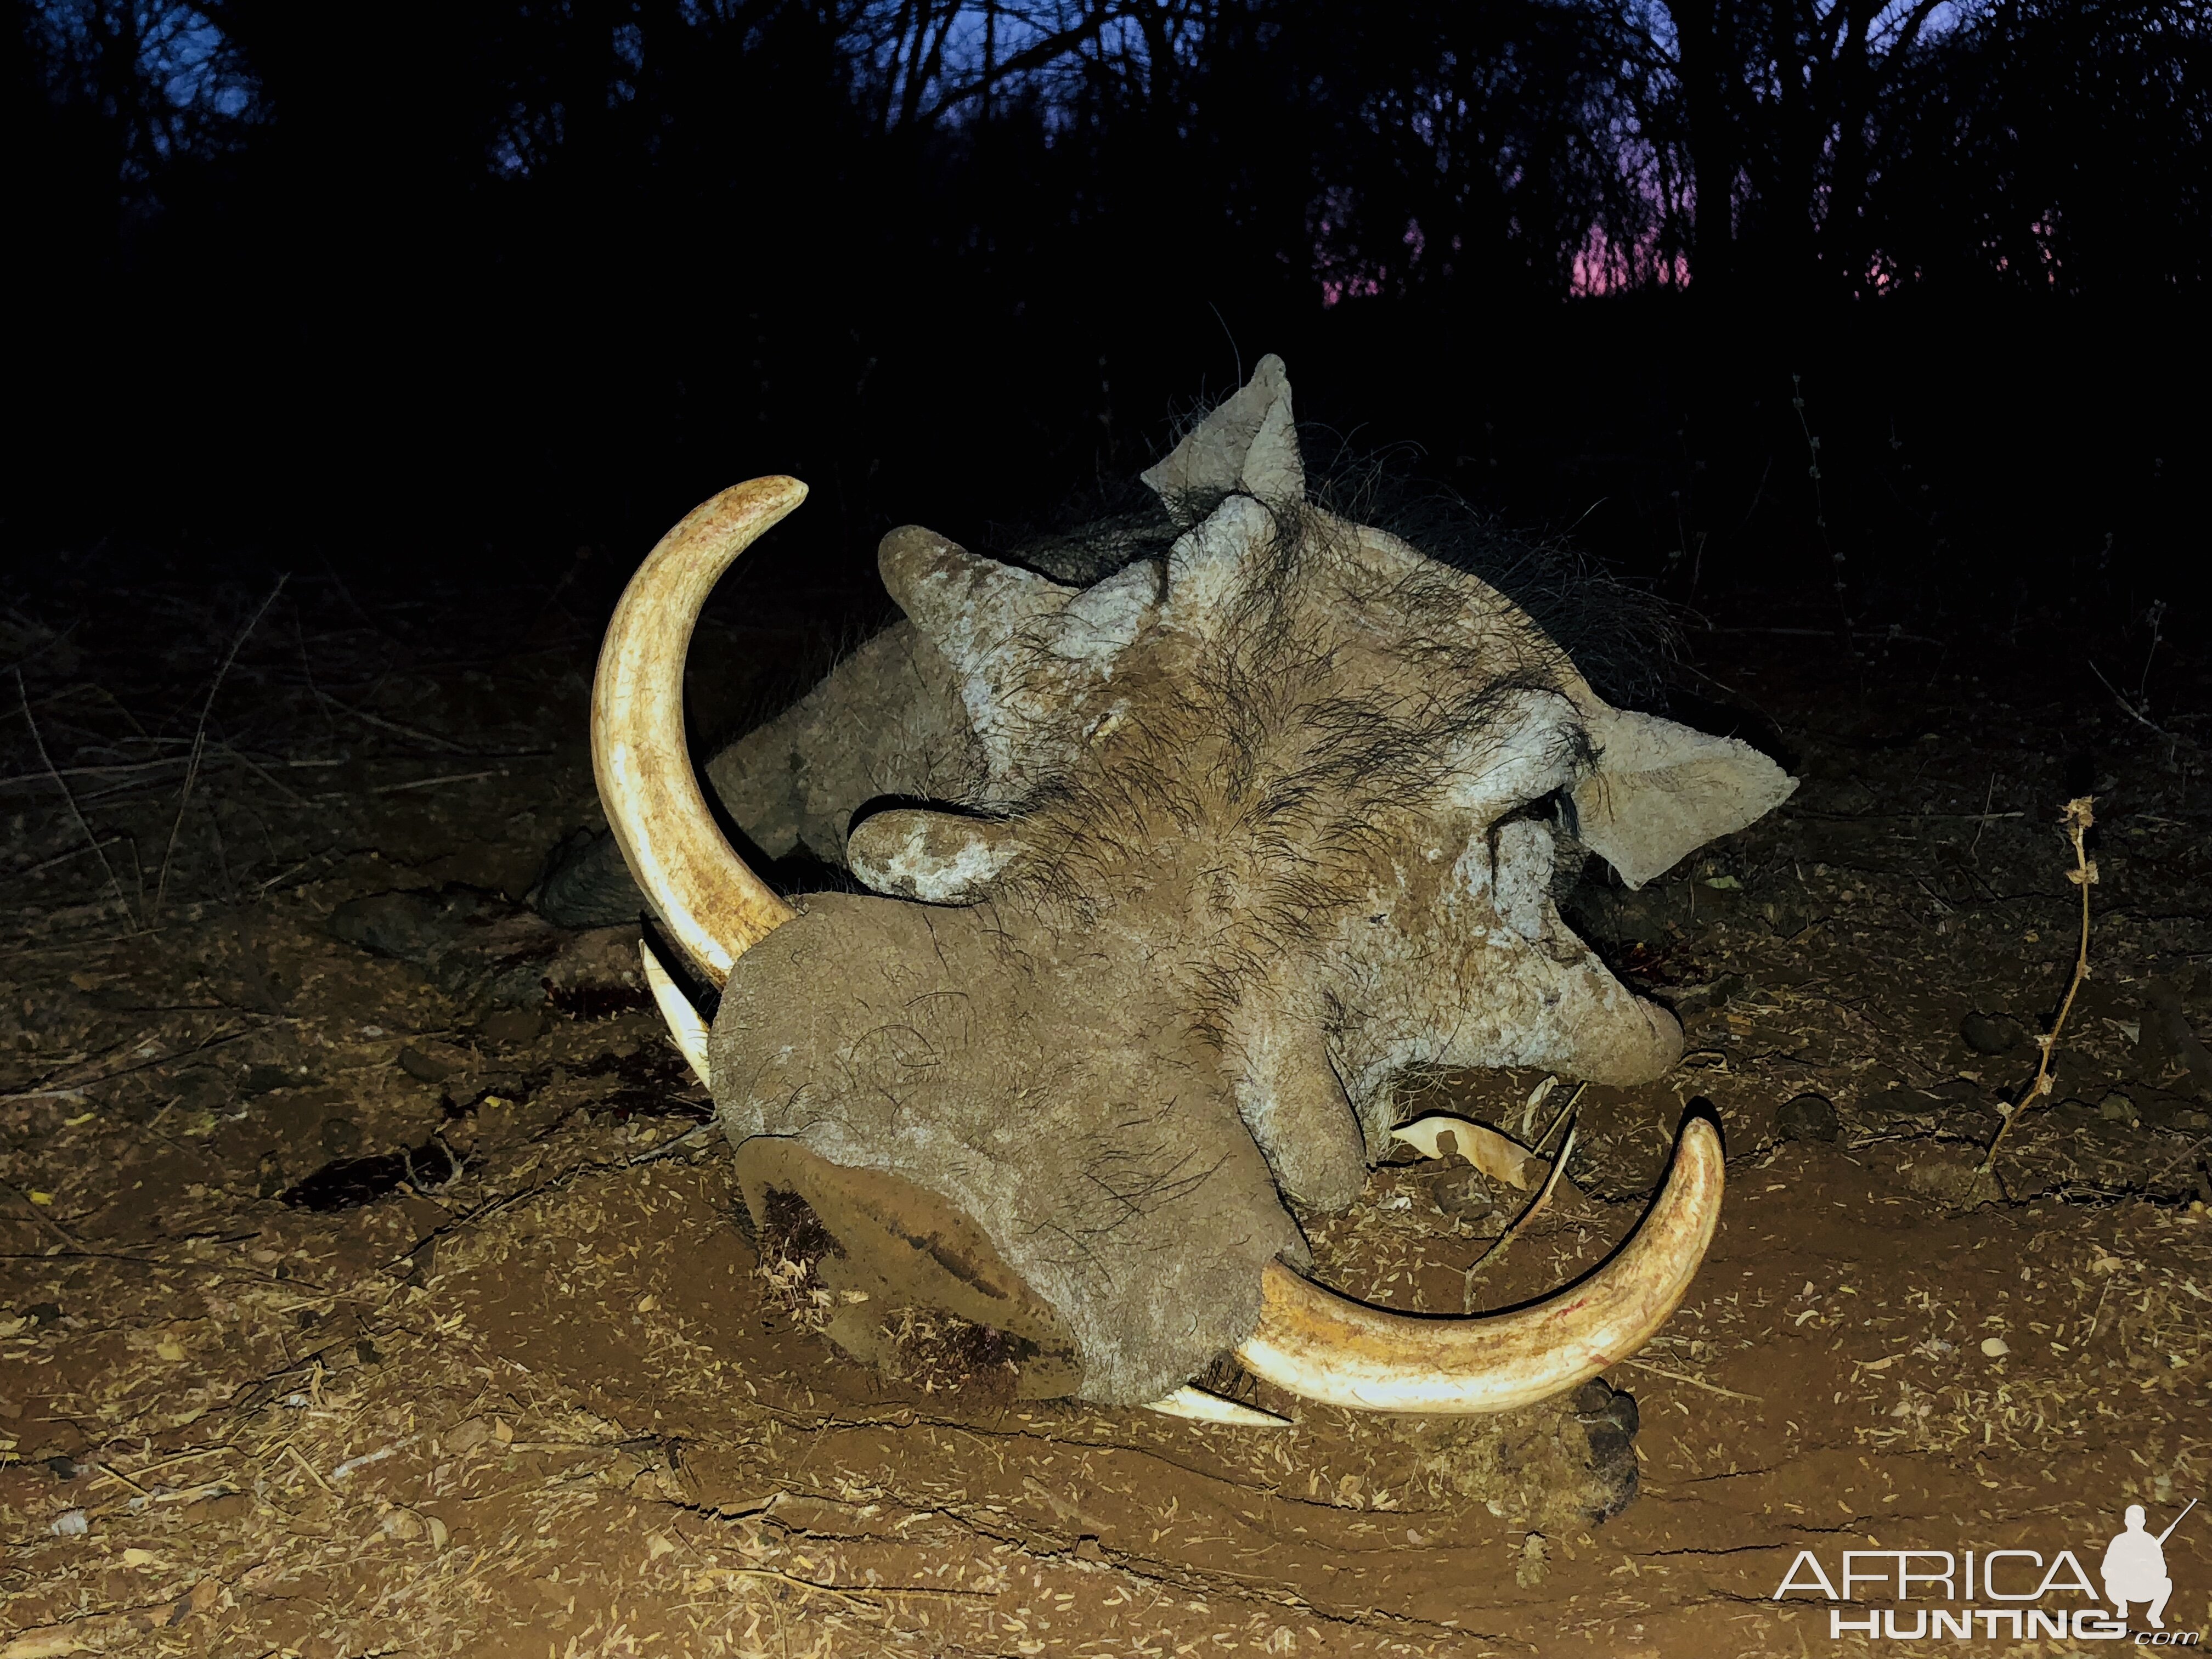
(2080, 817)
(1820, 504)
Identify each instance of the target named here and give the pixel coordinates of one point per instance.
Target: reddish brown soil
(548, 1406)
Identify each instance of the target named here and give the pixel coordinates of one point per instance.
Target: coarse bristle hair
(1618, 636)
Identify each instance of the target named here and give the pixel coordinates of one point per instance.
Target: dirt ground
(359, 1294)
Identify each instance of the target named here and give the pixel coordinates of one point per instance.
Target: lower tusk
(684, 1022)
(1200, 1407)
(1330, 1348)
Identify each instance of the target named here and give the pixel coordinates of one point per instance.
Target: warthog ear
(1661, 790)
(971, 607)
(1021, 646)
(1248, 446)
(939, 858)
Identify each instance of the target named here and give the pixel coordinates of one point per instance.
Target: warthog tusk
(1328, 1347)
(684, 1022)
(1201, 1407)
(714, 907)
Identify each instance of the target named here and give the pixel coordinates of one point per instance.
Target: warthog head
(1262, 824)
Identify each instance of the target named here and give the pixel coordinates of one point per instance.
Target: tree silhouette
(591, 250)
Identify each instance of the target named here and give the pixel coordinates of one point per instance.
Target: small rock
(1699, 999)
(70, 1523)
(587, 884)
(1992, 1034)
(597, 973)
(2117, 1108)
(472, 944)
(214, 1512)
(513, 1027)
(1953, 1178)
(203, 1090)
(1808, 1117)
(1535, 1561)
(1996, 1346)
(424, 1066)
(340, 1135)
(1466, 1198)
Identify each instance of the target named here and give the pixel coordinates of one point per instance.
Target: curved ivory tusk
(1202, 1407)
(684, 1022)
(713, 906)
(1328, 1347)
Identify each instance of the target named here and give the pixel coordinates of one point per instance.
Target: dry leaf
(403, 1524)
(1497, 1156)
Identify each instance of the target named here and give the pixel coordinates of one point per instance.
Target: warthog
(1241, 833)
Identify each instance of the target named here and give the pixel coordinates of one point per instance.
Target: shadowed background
(446, 287)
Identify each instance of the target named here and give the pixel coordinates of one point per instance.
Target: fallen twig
(46, 760)
(49, 1089)
(58, 858)
(38, 1215)
(855, 1594)
(1694, 1382)
(431, 783)
(1988, 796)
(96, 1631)
(363, 716)
(1497, 1247)
(314, 1474)
(251, 765)
(2132, 712)
(199, 743)
(1559, 1117)
(689, 1137)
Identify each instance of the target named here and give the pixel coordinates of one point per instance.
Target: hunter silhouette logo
(2134, 1566)
(2009, 1594)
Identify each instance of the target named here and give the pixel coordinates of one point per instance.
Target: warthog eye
(1555, 810)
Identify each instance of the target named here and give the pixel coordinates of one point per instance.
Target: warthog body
(1218, 845)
